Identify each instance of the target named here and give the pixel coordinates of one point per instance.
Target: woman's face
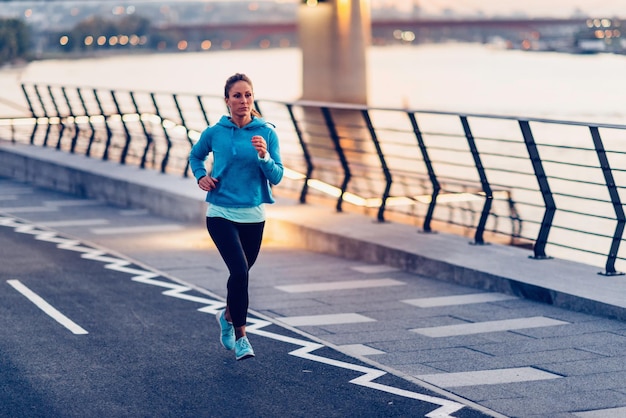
(240, 99)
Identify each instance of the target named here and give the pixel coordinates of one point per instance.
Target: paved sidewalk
(520, 337)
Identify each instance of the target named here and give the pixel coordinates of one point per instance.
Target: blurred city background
(48, 28)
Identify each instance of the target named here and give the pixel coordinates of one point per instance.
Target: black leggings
(239, 245)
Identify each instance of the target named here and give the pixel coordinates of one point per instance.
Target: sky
(535, 8)
(489, 8)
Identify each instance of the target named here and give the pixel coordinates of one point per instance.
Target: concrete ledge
(441, 256)
(171, 196)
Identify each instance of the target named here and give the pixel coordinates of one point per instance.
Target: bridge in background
(276, 34)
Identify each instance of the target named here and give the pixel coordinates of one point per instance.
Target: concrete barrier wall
(125, 186)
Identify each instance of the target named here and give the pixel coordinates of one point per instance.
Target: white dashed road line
(458, 300)
(360, 350)
(488, 326)
(136, 229)
(333, 319)
(75, 222)
(343, 285)
(46, 307)
(487, 377)
(71, 202)
(28, 209)
(373, 269)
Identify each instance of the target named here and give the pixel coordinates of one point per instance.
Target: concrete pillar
(333, 37)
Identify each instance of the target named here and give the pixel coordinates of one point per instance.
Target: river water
(456, 77)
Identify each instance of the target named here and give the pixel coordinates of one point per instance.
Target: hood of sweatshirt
(256, 122)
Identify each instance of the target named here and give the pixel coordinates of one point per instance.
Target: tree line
(18, 40)
(15, 37)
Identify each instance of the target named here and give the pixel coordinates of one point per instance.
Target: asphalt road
(110, 339)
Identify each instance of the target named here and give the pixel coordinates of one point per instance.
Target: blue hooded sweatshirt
(244, 178)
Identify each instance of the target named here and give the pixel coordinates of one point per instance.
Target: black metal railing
(552, 185)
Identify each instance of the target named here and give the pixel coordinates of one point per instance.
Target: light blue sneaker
(243, 349)
(228, 331)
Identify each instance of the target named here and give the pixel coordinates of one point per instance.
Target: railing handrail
(360, 107)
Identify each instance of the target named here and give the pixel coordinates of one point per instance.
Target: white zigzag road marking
(255, 325)
(369, 374)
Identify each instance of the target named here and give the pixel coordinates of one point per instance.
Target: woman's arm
(198, 155)
(273, 167)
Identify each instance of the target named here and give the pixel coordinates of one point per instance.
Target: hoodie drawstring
(232, 141)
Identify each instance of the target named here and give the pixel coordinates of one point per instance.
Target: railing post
(383, 163)
(28, 101)
(257, 107)
(105, 155)
(202, 109)
(431, 172)
(45, 113)
(76, 128)
(550, 207)
(145, 131)
(32, 112)
(615, 200)
(126, 132)
(58, 113)
(305, 151)
(480, 228)
(330, 124)
(166, 157)
(182, 121)
(93, 129)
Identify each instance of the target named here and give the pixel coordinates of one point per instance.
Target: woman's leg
(239, 245)
(251, 235)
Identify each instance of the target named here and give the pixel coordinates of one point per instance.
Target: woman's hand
(260, 145)
(207, 183)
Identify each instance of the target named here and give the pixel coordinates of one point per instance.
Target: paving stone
(566, 402)
(589, 367)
